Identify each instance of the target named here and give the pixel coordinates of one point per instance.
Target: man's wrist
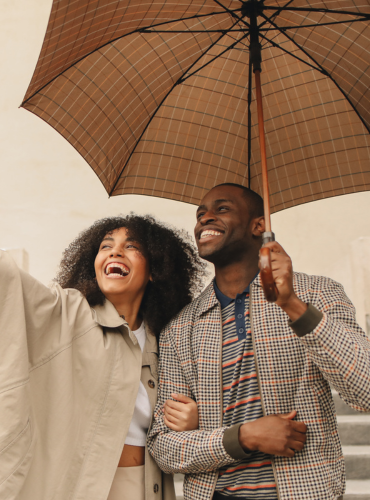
(294, 308)
(246, 438)
(232, 443)
(307, 322)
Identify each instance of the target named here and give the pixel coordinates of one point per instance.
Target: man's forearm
(294, 308)
(339, 348)
(190, 451)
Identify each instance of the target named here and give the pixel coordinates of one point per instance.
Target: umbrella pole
(261, 130)
(268, 283)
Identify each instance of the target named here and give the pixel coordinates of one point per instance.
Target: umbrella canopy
(155, 95)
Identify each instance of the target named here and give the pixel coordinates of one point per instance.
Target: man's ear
(258, 226)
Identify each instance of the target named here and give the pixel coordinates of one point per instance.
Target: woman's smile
(116, 270)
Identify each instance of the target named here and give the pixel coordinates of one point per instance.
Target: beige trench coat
(69, 375)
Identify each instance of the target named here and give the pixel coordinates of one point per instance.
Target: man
(258, 371)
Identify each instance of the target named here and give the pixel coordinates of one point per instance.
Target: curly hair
(176, 269)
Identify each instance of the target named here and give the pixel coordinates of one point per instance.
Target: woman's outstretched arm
(35, 321)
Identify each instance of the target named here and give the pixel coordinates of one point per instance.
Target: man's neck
(235, 277)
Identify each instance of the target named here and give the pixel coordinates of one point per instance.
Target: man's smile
(209, 234)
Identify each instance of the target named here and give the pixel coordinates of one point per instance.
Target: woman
(79, 363)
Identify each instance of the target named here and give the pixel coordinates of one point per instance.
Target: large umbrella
(158, 96)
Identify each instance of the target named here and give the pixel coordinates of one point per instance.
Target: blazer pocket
(13, 454)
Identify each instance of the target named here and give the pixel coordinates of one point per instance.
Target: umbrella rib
(309, 10)
(139, 30)
(249, 120)
(284, 28)
(218, 55)
(183, 79)
(155, 112)
(231, 12)
(276, 13)
(323, 71)
(241, 30)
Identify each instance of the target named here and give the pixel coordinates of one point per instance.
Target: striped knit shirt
(252, 478)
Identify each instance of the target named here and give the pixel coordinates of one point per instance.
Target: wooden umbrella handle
(268, 283)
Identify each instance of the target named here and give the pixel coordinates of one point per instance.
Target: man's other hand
(275, 434)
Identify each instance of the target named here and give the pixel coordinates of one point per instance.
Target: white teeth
(209, 232)
(117, 268)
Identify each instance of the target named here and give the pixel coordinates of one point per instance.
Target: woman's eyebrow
(107, 238)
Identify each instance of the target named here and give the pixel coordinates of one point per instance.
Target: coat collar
(107, 316)
(208, 297)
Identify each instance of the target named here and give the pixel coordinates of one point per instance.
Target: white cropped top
(140, 422)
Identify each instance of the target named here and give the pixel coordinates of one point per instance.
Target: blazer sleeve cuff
(307, 322)
(231, 443)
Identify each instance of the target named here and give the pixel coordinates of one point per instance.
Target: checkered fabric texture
(126, 102)
(293, 373)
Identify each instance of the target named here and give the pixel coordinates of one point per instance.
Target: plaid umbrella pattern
(158, 97)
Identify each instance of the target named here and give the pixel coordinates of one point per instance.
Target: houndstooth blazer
(294, 373)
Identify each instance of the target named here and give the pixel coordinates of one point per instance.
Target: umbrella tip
(251, 7)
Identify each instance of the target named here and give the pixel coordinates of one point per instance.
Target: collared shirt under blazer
(294, 374)
(69, 375)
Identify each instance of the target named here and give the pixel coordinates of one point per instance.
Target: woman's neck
(129, 310)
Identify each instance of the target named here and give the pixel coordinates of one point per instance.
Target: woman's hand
(182, 414)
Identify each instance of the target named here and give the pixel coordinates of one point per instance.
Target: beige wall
(48, 193)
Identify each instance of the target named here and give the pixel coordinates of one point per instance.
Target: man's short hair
(254, 200)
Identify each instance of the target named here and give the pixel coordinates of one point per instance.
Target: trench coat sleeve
(35, 321)
(185, 452)
(33, 329)
(338, 346)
